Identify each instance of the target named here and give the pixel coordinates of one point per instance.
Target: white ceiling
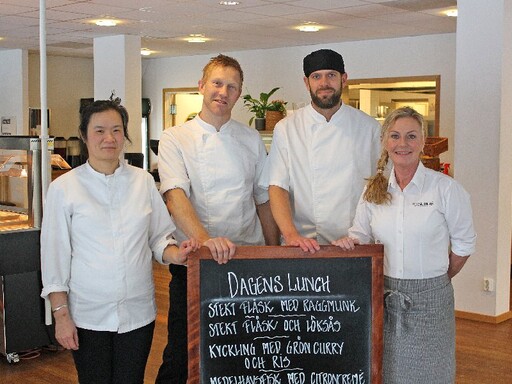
(254, 24)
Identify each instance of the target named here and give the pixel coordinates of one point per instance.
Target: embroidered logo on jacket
(423, 204)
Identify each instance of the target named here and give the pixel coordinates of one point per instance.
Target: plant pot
(272, 117)
(259, 123)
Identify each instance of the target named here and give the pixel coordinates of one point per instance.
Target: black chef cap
(323, 59)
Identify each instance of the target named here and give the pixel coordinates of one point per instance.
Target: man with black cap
(319, 159)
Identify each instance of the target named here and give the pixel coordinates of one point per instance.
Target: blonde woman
(424, 220)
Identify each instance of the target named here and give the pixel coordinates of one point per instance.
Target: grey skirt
(419, 331)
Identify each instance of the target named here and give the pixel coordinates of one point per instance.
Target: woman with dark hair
(424, 220)
(103, 223)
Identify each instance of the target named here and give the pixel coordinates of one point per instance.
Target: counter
(22, 322)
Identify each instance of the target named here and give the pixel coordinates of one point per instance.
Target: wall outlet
(488, 284)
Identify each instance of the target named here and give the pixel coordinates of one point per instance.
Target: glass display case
(22, 321)
(20, 182)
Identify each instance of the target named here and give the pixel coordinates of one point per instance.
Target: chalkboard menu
(277, 315)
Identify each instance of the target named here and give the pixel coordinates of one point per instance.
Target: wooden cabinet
(434, 146)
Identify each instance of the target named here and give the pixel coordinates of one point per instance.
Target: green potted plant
(277, 106)
(259, 106)
(276, 110)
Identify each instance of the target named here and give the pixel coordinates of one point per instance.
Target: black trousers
(174, 368)
(111, 357)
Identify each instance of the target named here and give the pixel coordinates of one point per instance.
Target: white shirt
(430, 215)
(323, 166)
(218, 172)
(97, 240)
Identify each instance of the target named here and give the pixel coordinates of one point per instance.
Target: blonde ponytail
(377, 187)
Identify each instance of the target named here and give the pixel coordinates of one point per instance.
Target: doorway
(379, 96)
(180, 105)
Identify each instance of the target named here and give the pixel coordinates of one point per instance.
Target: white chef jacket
(98, 235)
(431, 214)
(323, 166)
(218, 170)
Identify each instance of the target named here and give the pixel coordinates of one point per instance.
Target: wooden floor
(484, 352)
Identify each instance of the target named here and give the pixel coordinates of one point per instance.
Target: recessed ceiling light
(451, 12)
(196, 38)
(145, 52)
(229, 3)
(309, 27)
(106, 23)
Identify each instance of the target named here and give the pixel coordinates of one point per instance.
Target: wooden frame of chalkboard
(278, 315)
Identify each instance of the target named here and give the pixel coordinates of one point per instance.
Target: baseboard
(484, 318)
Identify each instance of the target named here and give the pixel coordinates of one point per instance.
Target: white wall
(117, 67)
(14, 87)
(483, 142)
(504, 261)
(68, 80)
